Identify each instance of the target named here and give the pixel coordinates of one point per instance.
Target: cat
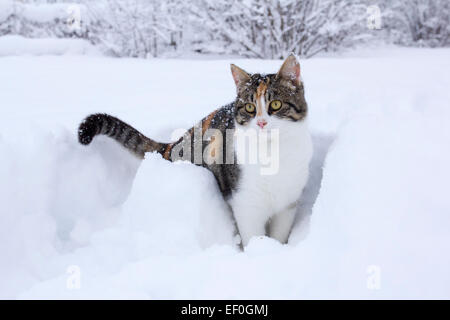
(262, 204)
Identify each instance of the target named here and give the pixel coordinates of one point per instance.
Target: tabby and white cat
(261, 204)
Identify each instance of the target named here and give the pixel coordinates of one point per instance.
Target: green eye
(275, 104)
(250, 107)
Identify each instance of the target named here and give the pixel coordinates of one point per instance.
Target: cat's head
(267, 101)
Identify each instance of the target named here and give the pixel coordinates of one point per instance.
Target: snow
(47, 12)
(152, 229)
(17, 45)
(39, 13)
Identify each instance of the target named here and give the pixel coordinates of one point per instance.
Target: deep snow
(380, 215)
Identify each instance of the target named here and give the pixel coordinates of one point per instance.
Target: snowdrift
(17, 45)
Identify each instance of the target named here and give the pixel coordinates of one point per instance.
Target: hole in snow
(321, 144)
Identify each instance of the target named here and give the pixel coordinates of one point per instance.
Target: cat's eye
(275, 105)
(250, 107)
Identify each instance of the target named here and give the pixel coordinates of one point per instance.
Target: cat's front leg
(281, 224)
(251, 222)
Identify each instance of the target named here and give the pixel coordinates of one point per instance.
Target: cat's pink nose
(261, 123)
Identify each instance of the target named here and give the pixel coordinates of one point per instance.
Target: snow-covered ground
(120, 228)
(12, 45)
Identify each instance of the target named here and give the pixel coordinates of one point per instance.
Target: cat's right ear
(290, 70)
(240, 76)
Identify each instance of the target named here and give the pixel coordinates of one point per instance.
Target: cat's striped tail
(126, 135)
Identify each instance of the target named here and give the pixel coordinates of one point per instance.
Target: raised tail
(126, 135)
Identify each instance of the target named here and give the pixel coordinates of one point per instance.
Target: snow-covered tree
(39, 19)
(419, 22)
(249, 28)
(136, 28)
(275, 28)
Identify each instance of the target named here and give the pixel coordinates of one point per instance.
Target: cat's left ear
(290, 70)
(240, 76)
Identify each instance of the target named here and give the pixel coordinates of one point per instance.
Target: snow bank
(18, 45)
(54, 194)
(377, 194)
(49, 23)
(383, 200)
(40, 13)
(48, 12)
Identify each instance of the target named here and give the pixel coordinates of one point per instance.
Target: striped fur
(126, 135)
(221, 119)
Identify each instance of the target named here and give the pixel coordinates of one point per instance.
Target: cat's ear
(290, 70)
(240, 76)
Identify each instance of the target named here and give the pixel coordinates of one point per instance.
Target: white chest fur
(261, 196)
